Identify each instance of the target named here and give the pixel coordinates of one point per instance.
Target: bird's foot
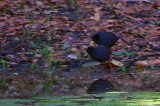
(112, 68)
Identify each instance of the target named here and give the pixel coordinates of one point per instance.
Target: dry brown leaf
(129, 10)
(118, 12)
(116, 23)
(145, 63)
(16, 38)
(97, 9)
(60, 59)
(74, 50)
(95, 17)
(11, 29)
(2, 3)
(56, 54)
(136, 6)
(120, 5)
(138, 67)
(152, 31)
(96, 28)
(141, 52)
(35, 60)
(71, 29)
(156, 4)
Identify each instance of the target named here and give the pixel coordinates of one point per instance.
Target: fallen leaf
(60, 59)
(139, 67)
(156, 4)
(72, 56)
(38, 55)
(56, 54)
(35, 61)
(95, 17)
(151, 62)
(141, 52)
(136, 6)
(11, 29)
(129, 10)
(74, 50)
(89, 64)
(111, 21)
(71, 29)
(117, 11)
(2, 3)
(78, 54)
(117, 63)
(97, 9)
(16, 38)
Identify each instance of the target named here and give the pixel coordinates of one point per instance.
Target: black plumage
(100, 53)
(105, 38)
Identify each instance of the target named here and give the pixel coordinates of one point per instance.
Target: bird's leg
(110, 64)
(104, 65)
(109, 60)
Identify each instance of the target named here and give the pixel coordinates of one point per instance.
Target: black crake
(100, 53)
(105, 38)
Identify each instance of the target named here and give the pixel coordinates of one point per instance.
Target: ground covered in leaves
(42, 45)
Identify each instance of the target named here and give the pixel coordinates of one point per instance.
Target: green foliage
(49, 15)
(123, 68)
(89, 64)
(47, 87)
(129, 53)
(125, 53)
(22, 5)
(106, 99)
(73, 3)
(64, 46)
(77, 8)
(151, 66)
(3, 64)
(3, 69)
(130, 87)
(117, 54)
(34, 44)
(55, 63)
(33, 66)
(29, 29)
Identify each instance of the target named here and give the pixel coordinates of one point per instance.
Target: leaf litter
(69, 29)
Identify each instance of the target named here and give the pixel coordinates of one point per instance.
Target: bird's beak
(86, 54)
(91, 43)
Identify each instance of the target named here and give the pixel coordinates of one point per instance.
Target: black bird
(105, 38)
(108, 39)
(100, 53)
